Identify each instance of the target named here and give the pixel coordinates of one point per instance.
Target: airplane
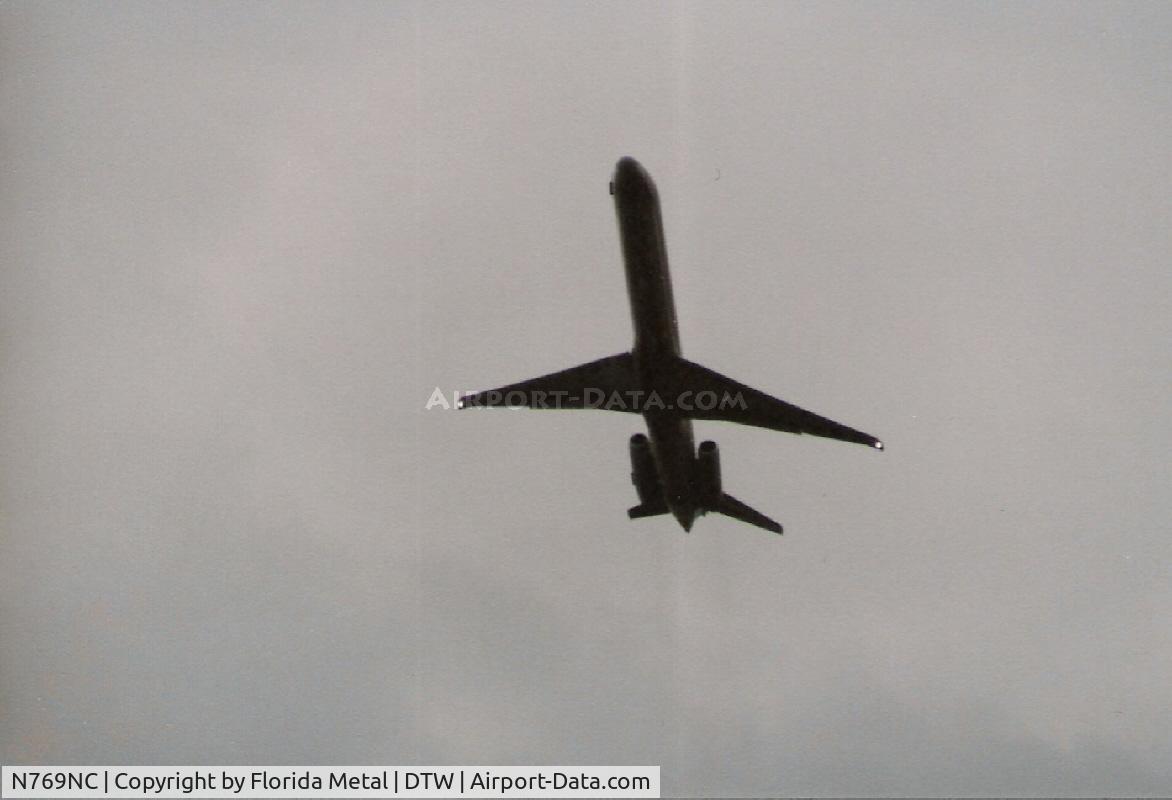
(669, 474)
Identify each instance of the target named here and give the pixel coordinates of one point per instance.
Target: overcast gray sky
(242, 244)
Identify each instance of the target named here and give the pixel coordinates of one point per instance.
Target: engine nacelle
(643, 472)
(708, 473)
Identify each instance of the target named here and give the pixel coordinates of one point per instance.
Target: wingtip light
(878, 445)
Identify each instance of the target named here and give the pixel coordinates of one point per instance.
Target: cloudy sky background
(242, 245)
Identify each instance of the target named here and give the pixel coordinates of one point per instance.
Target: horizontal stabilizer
(584, 386)
(732, 507)
(736, 402)
(638, 512)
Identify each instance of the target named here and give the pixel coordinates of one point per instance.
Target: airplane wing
(584, 386)
(736, 402)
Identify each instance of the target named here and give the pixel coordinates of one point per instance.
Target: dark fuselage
(657, 338)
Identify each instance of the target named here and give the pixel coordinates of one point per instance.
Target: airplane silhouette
(653, 379)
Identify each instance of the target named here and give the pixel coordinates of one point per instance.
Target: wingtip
(878, 445)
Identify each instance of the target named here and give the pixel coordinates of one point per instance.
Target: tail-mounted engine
(708, 474)
(706, 485)
(643, 472)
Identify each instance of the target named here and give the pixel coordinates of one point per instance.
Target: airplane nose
(631, 180)
(626, 169)
(684, 516)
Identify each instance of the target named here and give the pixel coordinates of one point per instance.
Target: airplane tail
(727, 505)
(732, 507)
(646, 510)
